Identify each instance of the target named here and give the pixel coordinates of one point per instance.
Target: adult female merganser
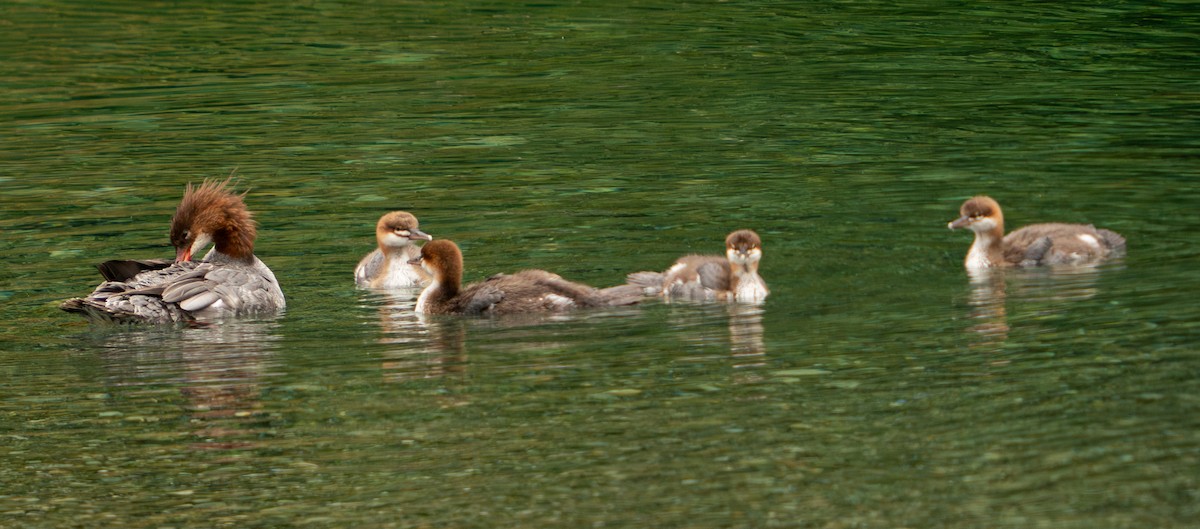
(732, 278)
(1033, 245)
(230, 281)
(387, 266)
(523, 292)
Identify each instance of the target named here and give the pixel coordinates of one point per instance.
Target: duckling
(387, 266)
(527, 291)
(1034, 245)
(732, 278)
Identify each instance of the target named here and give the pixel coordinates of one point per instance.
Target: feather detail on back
(527, 291)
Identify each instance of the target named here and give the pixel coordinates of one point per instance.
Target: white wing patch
(1089, 239)
(559, 302)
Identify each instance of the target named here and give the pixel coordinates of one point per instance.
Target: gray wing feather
(651, 283)
(1114, 241)
(368, 268)
(483, 298)
(710, 278)
(178, 292)
(126, 269)
(714, 276)
(1036, 252)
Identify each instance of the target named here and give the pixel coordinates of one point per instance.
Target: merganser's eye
(187, 234)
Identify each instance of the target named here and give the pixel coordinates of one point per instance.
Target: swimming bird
(387, 266)
(1034, 245)
(527, 291)
(732, 278)
(229, 281)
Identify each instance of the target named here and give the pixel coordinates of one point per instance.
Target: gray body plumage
(368, 268)
(210, 289)
(531, 291)
(693, 277)
(700, 278)
(1055, 243)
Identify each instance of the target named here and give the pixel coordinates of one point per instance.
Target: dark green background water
(878, 387)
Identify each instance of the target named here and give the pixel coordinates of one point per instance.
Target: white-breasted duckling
(388, 266)
(1034, 245)
(732, 278)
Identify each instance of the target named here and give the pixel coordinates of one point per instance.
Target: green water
(878, 386)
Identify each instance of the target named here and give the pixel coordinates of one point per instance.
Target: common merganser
(229, 281)
(1034, 245)
(523, 292)
(387, 266)
(732, 278)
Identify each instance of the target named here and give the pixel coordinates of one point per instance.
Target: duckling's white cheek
(675, 268)
(984, 224)
(391, 239)
(755, 254)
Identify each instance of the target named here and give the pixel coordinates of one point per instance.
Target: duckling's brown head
(743, 246)
(399, 228)
(979, 214)
(441, 259)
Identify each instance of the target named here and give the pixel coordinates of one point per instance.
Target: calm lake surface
(879, 386)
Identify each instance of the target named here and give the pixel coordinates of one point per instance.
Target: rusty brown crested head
(212, 213)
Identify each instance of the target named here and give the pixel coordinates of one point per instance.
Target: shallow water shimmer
(879, 386)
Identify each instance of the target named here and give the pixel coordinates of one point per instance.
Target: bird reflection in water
(988, 313)
(736, 327)
(1058, 284)
(1049, 289)
(746, 346)
(423, 347)
(218, 368)
(224, 366)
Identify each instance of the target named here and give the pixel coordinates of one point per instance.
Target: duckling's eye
(187, 234)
